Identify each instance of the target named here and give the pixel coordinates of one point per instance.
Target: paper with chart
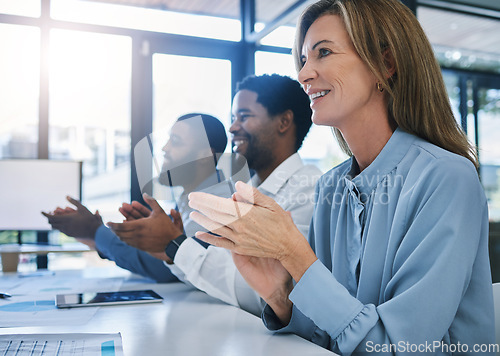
(61, 344)
(33, 300)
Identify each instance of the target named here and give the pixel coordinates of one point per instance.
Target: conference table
(187, 322)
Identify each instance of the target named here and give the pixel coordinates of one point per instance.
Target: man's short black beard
(259, 157)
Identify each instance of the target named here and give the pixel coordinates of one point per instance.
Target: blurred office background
(87, 80)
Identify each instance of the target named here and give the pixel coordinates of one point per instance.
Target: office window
(183, 85)
(451, 80)
(29, 8)
(266, 11)
(270, 62)
(89, 118)
(471, 118)
(19, 91)
(489, 150)
(283, 36)
(461, 40)
(141, 18)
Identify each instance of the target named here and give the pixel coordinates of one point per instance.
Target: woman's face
(341, 87)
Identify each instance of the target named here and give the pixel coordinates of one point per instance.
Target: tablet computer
(106, 298)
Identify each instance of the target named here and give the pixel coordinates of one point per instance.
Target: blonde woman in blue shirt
(397, 257)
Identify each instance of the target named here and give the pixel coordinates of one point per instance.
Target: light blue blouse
(402, 253)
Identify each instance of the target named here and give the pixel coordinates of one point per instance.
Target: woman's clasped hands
(267, 247)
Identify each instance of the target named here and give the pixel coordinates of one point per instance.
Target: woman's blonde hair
(418, 101)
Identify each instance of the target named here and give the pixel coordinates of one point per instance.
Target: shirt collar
(280, 175)
(386, 161)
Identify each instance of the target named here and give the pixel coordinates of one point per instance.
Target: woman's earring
(380, 87)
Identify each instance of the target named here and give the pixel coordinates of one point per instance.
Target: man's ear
(285, 121)
(389, 62)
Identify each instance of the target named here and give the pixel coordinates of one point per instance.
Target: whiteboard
(29, 186)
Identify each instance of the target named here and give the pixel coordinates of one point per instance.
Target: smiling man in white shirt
(271, 117)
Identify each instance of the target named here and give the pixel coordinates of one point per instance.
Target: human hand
(151, 234)
(63, 211)
(79, 223)
(177, 219)
(134, 211)
(249, 224)
(270, 280)
(267, 247)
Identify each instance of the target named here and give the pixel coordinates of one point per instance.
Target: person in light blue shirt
(414, 268)
(397, 256)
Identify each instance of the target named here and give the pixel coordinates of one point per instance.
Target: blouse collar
(386, 161)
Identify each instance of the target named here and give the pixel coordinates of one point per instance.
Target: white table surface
(188, 322)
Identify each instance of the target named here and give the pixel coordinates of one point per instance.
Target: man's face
(253, 130)
(187, 143)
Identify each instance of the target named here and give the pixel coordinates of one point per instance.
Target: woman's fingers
(249, 229)
(226, 211)
(244, 193)
(211, 225)
(223, 210)
(224, 205)
(217, 241)
(248, 194)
